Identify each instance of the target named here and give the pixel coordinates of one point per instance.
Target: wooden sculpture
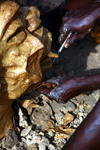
(25, 56)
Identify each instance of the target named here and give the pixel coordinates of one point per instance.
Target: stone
(41, 116)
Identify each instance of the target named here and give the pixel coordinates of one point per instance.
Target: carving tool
(63, 44)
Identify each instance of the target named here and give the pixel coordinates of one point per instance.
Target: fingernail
(66, 45)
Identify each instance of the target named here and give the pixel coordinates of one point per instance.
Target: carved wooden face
(25, 56)
(24, 50)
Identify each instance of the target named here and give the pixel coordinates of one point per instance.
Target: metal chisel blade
(62, 46)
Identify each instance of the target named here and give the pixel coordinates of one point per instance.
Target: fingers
(70, 40)
(49, 85)
(56, 80)
(74, 37)
(63, 36)
(80, 22)
(69, 22)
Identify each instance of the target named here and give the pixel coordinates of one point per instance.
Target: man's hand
(80, 22)
(62, 88)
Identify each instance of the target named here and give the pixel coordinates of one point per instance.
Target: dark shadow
(80, 58)
(3, 82)
(53, 19)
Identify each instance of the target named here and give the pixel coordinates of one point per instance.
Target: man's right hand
(80, 22)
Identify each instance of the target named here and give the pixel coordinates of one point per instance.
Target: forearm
(91, 82)
(78, 4)
(69, 88)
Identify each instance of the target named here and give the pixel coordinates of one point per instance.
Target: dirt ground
(80, 58)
